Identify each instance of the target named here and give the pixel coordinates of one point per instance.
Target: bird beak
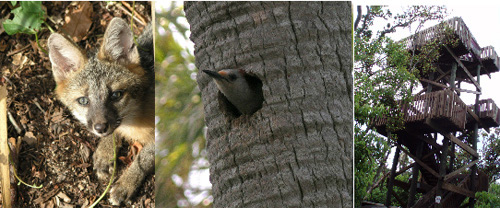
(215, 75)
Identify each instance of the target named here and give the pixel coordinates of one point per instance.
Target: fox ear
(118, 45)
(65, 57)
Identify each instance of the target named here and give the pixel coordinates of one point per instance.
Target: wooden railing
(444, 105)
(488, 113)
(489, 53)
(458, 27)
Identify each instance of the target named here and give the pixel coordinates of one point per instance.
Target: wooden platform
(467, 43)
(467, 48)
(488, 114)
(442, 107)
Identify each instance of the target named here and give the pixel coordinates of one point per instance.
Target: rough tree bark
(296, 151)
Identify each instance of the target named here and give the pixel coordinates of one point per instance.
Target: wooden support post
(478, 88)
(420, 162)
(4, 149)
(414, 177)
(450, 136)
(453, 75)
(456, 172)
(390, 184)
(429, 86)
(442, 172)
(452, 157)
(474, 142)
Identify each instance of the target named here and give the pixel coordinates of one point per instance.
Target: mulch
(55, 150)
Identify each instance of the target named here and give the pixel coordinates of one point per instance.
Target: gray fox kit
(111, 92)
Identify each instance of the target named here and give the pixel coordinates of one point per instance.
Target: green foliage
(180, 142)
(490, 153)
(489, 199)
(28, 18)
(385, 75)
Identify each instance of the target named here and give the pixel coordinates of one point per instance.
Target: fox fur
(111, 92)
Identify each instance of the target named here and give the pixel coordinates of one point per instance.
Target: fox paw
(103, 164)
(121, 192)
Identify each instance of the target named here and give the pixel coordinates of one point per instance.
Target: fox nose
(101, 127)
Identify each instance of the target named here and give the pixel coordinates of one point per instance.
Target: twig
(130, 14)
(133, 11)
(8, 80)
(112, 175)
(14, 123)
(18, 50)
(39, 107)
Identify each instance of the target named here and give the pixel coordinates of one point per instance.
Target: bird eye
(83, 101)
(116, 95)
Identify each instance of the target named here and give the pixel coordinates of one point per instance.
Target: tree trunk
(296, 151)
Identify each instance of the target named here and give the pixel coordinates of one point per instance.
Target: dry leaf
(29, 138)
(135, 148)
(18, 59)
(78, 21)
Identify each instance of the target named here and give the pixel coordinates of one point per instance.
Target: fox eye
(116, 95)
(83, 101)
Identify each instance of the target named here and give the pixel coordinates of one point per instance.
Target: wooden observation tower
(438, 112)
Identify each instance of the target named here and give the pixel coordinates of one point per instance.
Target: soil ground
(55, 150)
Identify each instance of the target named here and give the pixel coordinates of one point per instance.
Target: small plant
(28, 19)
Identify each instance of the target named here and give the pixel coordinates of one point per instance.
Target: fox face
(106, 90)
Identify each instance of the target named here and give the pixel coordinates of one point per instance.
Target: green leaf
(27, 18)
(13, 3)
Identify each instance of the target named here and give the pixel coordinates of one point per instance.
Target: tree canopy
(180, 143)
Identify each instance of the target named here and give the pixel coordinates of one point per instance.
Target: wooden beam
(452, 174)
(468, 91)
(478, 87)
(430, 141)
(480, 63)
(473, 115)
(459, 190)
(400, 201)
(462, 145)
(425, 166)
(442, 75)
(433, 83)
(451, 137)
(431, 153)
(425, 198)
(423, 187)
(4, 149)
(446, 87)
